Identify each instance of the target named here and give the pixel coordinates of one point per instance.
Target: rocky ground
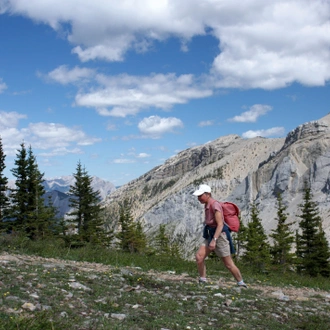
(82, 295)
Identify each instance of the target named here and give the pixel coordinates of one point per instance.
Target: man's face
(203, 198)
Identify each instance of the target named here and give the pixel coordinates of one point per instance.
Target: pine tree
(283, 238)
(19, 196)
(162, 241)
(4, 200)
(323, 255)
(139, 240)
(125, 224)
(86, 214)
(29, 211)
(41, 217)
(131, 237)
(257, 248)
(240, 239)
(312, 247)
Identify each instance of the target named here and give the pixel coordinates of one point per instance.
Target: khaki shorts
(222, 248)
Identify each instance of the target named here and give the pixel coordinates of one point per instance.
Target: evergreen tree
(28, 210)
(161, 240)
(131, 237)
(240, 239)
(312, 247)
(125, 227)
(4, 200)
(86, 214)
(257, 248)
(139, 240)
(40, 217)
(19, 196)
(283, 238)
(323, 255)
(163, 244)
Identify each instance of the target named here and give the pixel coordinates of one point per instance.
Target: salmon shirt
(210, 208)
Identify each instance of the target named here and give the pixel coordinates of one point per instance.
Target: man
(217, 237)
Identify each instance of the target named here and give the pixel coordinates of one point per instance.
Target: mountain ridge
(240, 170)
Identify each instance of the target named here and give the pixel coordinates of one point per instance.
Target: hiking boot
(242, 284)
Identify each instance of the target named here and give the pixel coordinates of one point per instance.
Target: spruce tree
(240, 239)
(131, 237)
(30, 214)
(312, 247)
(323, 255)
(86, 214)
(4, 200)
(19, 196)
(161, 240)
(41, 217)
(257, 249)
(125, 227)
(283, 238)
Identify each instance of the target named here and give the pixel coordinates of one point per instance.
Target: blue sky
(121, 86)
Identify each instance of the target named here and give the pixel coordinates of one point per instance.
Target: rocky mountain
(57, 190)
(238, 170)
(63, 183)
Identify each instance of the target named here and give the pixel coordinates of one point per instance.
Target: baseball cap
(203, 188)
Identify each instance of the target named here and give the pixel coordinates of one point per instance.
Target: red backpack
(231, 215)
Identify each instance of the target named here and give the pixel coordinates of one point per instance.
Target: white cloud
(155, 126)
(143, 155)
(253, 114)
(206, 123)
(272, 44)
(124, 161)
(54, 139)
(64, 75)
(271, 132)
(51, 135)
(9, 119)
(262, 44)
(128, 95)
(3, 86)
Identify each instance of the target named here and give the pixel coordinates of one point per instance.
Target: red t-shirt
(210, 208)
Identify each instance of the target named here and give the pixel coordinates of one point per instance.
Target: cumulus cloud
(206, 123)
(262, 44)
(143, 155)
(10, 119)
(124, 161)
(253, 114)
(3, 86)
(127, 95)
(271, 132)
(47, 135)
(54, 138)
(64, 75)
(155, 126)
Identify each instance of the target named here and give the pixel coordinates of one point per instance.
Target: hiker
(216, 236)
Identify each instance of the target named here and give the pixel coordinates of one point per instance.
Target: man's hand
(212, 245)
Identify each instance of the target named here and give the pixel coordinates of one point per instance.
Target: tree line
(24, 211)
(305, 250)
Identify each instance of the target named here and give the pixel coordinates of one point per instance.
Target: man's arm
(219, 220)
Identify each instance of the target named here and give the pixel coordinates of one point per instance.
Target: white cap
(203, 188)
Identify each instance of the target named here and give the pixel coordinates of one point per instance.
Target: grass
(92, 288)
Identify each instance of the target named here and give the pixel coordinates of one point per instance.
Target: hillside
(41, 293)
(238, 170)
